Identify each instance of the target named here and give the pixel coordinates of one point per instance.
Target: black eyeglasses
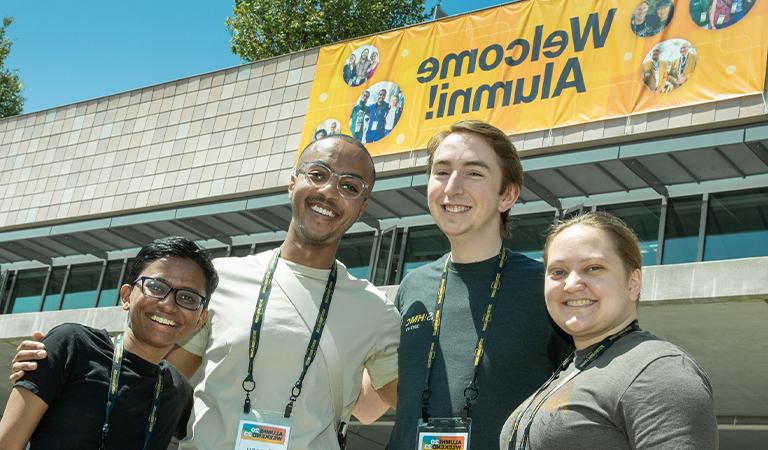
(187, 299)
(318, 174)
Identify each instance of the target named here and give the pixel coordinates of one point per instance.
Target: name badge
(263, 431)
(720, 19)
(444, 433)
(734, 7)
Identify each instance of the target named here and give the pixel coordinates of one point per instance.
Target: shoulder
(518, 261)
(176, 378)
(347, 281)
(638, 351)
(75, 333)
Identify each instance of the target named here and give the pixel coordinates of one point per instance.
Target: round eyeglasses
(185, 298)
(318, 174)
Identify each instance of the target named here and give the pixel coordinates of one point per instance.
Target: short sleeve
(52, 373)
(198, 341)
(382, 361)
(669, 405)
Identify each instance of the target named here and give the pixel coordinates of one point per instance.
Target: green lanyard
(589, 359)
(314, 342)
(471, 392)
(114, 383)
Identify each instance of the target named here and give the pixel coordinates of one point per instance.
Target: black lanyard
(471, 392)
(114, 383)
(314, 342)
(589, 359)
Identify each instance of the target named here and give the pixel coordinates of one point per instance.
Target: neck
(143, 350)
(581, 344)
(465, 251)
(300, 252)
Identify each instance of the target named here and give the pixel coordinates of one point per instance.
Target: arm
(669, 405)
(187, 362)
(373, 403)
(26, 354)
(22, 414)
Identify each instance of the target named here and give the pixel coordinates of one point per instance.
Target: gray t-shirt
(641, 393)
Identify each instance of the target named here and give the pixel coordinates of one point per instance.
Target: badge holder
(263, 430)
(444, 433)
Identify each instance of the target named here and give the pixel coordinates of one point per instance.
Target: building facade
(83, 186)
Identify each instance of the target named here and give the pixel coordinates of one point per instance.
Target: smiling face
(640, 12)
(156, 325)
(464, 187)
(321, 215)
(589, 292)
(663, 12)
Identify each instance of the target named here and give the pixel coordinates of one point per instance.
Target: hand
(26, 354)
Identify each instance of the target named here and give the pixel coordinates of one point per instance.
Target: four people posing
(475, 336)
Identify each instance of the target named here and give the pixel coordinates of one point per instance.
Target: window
(27, 290)
(644, 219)
(82, 284)
(53, 290)
(355, 252)
(681, 235)
(528, 234)
(110, 286)
(737, 226)
(425, 244)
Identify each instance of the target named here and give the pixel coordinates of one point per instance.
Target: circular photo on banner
(651, 16)
(716, 14)
(326, 128)
(360, 65)
(669, 65)
(376, 112)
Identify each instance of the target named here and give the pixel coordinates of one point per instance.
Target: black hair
(177, 247)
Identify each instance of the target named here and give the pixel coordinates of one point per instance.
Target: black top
(523, 346)
(74, 381)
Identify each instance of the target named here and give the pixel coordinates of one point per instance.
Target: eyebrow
(325, 164)
(471, 163)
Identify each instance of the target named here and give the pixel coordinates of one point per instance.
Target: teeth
(163, 320)
(323, 211)
(456, 208)
(583, 302)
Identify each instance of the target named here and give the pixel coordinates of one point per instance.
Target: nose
(169, 302)
(331, 186)
(455, 184)
(573, 282)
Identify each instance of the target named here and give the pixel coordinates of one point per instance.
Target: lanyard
(114, 380)
(314, 342)
(471, 392)
(588, 359)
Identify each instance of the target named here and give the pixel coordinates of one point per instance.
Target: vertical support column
(662, 230)
(702, 227)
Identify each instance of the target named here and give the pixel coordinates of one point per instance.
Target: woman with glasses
(623, 388)
(92, 392)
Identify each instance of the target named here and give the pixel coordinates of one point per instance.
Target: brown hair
(506, 154)
(624, 239)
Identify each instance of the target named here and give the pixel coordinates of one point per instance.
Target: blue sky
(70, 51)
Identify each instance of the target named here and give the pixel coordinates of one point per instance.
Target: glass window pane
(528, 234)
(110, 287)
(737, 226)
(218, 252)
(380, 276)
(27, 291)
(425, 244)
(127, 273)
(355, 252)
(241, 250)
(53, 291)
(643, 218)
(81, 287)
(681, 235)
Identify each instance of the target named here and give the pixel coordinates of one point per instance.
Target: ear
(635, 283)
(125, 296)
(291, 184)
(509, 197)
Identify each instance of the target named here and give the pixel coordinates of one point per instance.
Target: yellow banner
(537, 64)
